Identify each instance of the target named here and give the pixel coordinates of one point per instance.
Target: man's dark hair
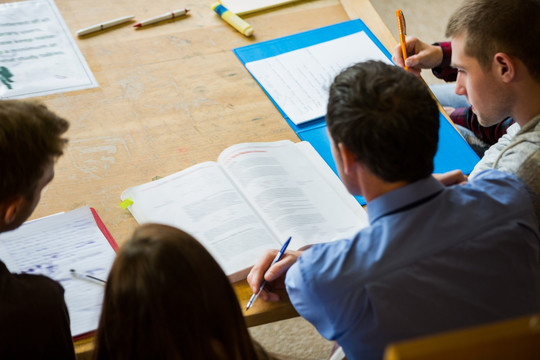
(30, 138)
(387, 118)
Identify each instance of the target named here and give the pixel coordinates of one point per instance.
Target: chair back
(517, 338)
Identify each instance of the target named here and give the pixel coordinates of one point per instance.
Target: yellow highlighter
(232, 19)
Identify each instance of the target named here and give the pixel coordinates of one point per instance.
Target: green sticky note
(126, 203)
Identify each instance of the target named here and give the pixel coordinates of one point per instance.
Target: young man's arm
(443, 70)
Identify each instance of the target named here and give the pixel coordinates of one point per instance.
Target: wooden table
(170, 95)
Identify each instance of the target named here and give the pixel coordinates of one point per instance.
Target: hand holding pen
(271, 267)
(412, 53)
(263, 282)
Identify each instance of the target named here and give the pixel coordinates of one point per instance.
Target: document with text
(253, 198)
(54, 245)
(298, 81)
(38, 55)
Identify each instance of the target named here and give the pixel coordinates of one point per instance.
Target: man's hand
(274, 276)
(451, 178)
(420, 55)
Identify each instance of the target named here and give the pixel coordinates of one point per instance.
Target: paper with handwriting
(54, 245)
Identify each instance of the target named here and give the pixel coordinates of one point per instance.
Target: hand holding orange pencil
(402, 28)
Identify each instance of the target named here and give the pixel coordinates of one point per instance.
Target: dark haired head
(167, 298)
(30, 138)
(387, 118)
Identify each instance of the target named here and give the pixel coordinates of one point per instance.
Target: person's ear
(505, 67)
(348, 157)
(10, 208)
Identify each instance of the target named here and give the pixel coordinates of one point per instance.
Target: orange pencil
(402, 28)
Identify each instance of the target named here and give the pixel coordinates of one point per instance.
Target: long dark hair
(167, 298)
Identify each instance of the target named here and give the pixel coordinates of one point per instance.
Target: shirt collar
(402, 197)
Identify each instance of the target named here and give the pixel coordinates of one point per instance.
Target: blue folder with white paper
(453, 151)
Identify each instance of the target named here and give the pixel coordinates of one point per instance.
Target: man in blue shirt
(434, 258)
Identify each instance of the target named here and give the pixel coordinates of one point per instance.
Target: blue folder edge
(453, 151)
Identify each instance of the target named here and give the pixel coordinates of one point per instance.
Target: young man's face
(482, 87)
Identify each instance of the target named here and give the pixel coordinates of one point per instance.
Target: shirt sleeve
(60, 343)
(444, 70)
(35, 313)
(492, 154)
(318, 292)
(305, 302)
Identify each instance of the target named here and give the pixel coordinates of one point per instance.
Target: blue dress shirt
(434, 258)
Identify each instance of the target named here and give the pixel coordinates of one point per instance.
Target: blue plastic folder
(453, 151)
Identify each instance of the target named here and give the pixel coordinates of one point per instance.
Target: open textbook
(253, 198)
(54, 245)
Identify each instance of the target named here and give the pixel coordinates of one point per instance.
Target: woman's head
(166, 297)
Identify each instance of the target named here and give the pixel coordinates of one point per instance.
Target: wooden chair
(517, 338)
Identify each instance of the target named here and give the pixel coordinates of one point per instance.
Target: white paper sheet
(241, 7)
(38, 55)
(54, 245)
(299, 80)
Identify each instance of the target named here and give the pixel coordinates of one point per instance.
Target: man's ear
(505, 67)
(10, 208)
(349, 159)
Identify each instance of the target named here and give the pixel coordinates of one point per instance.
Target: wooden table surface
(170, 95)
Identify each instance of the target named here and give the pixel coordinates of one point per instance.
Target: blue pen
(263, 283)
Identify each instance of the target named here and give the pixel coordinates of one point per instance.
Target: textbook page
(54, 245)
(202, 201)
(277, 192)
(294, 190)
(298, 81)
